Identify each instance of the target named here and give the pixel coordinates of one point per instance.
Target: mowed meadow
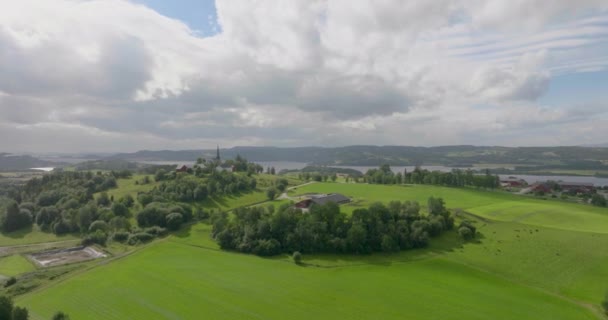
(534, 259)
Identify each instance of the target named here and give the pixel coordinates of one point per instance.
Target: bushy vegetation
(189, 187)
(455, 178)
(398, 226)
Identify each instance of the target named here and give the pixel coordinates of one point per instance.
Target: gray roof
(334, 197)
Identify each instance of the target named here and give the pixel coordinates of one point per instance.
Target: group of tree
(455, 178)
(8, 311)
(63, 202)
(189, 187)
(398, 226)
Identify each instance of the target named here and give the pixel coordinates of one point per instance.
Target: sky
(121, 76)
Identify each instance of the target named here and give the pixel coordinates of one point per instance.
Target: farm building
(321, 200)
(182, 168)
(540, 187)
(576, 187)
(513, 182)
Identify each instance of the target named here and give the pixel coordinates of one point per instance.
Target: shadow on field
(446, 243)
(19, 234)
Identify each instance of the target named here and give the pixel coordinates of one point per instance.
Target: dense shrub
(297, 257)
(11, 281)
(326, 229)
(15, 218)
(61, 226)
(174, 220)
(99, 225)
(120, 236)
(98, 237)
(139, 237)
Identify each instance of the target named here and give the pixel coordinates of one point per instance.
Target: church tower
(217, 157)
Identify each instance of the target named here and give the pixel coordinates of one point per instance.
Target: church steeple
(217, 157)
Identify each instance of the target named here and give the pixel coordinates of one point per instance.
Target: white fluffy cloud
(113, 75)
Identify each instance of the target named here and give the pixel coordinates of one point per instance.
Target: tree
(174, 220)
(99, 225)
(61, 316)
(271, 193)
(334, 177)
(297, 257)
(272, 171)
(15, 218)
(120, 210)
(605, 303)
(6, 307)
(465, 233)
(20, 313)
(598, 200)
(103, 200)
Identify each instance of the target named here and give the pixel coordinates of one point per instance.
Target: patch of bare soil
(65, 256)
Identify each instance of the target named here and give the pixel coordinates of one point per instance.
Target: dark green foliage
(15, 218)
(120, 236)
(127, 201)
(326, 229)
(120, 223)
(271, 193)
(174, 220)
(11, 281)
(98, 237)
(119, 209)
(456, 178)
(60, 316)
(187, 187)
(598, 200)
(62, 226)
(297, 257)
(6, 308)
(605, 303)
(20, 313)
(140, 237)
(46, 216)
(281, 185)
(98, 225)
(103, 200)
(467, 230)
(155, 214)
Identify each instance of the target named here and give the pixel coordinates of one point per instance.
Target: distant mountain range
(394, 155)
(578, 157)
(9, 162)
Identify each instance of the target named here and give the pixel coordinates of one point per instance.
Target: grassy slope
(128, 186)
(29, 236)
(15, 265)
(469, 281)
(494, 205)
(177, 281)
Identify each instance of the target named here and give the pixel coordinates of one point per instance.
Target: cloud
(118, 76)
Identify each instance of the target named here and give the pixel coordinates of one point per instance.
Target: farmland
(487, 204)
(523, 266)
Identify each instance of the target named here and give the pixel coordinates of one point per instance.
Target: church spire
(217, 157)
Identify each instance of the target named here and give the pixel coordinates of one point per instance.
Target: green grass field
(534, 259)
(15, 265)
(493, 205)
(173, 280)
(129, 186)
(29, 236)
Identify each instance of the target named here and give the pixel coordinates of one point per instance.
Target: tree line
(455, 178)
(378, 228)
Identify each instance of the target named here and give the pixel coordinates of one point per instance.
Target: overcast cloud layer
(113, 75)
